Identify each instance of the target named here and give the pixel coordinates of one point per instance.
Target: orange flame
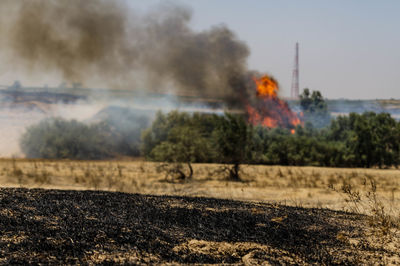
(270, 111)
(266, 87)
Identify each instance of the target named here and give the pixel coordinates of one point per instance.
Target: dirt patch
(53, 226)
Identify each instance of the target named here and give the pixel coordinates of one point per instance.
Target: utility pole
(294, 94)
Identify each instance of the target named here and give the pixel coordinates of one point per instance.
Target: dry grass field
(271, 196)
(294, 186)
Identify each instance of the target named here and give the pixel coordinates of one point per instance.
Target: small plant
(380, 222)
(353, 197)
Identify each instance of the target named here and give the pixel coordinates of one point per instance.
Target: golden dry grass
(295, 186)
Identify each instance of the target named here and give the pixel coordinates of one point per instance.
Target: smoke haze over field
(108, 43)
(17, 117)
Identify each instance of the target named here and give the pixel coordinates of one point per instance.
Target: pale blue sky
(348, 48)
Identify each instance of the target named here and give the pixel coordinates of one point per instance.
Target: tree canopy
(356, 140)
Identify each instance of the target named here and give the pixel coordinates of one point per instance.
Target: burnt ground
(69, 227)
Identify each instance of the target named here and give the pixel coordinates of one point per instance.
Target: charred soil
(58, 227)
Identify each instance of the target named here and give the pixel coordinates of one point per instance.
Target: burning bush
(269, 110)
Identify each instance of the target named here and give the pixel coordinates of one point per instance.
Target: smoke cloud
(108, 42)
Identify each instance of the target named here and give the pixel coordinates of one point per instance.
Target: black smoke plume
(108, 41)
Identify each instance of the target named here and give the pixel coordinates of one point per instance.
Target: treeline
(357, 140)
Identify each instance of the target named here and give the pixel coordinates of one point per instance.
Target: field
(294, 186)
(277, 214)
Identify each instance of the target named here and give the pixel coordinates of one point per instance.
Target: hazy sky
(348, 48)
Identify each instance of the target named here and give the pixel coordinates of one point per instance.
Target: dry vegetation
(362, 191)
(295, 186)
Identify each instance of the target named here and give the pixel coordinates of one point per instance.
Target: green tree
(233, 139)
(370, 139)
(159, 130)
(183, 145)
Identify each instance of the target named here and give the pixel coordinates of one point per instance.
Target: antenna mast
(295, 79)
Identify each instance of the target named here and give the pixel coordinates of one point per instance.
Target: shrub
(184, 145)
(167, 127)
(61, 139)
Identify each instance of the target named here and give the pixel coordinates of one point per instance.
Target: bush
(159, 130)
(184, 145)
(169, 128)
(62, 139)
(183, 138)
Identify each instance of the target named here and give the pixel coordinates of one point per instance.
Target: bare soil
(69, 227)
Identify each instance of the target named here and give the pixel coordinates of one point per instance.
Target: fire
(270, 111)
(266, 87)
